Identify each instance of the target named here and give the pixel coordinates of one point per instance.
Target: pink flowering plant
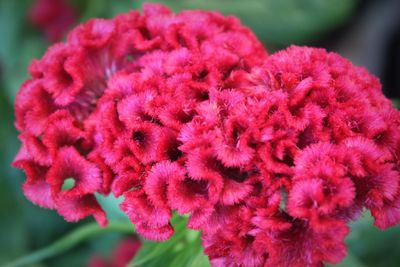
(223, 153)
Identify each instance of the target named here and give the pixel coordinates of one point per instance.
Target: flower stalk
(71, 240)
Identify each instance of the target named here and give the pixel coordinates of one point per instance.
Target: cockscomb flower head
(277, 167)
(103, 110)
(271, 156)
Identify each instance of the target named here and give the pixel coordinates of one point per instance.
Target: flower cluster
(289, 159)
(271, 156)
(104, 109)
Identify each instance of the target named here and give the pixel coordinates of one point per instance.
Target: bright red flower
(148, 102)
(270, 156)
(319, 144)
(104, 109)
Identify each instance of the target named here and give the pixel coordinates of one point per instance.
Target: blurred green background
(367, 32)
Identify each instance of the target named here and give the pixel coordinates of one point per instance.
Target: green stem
(69, 241)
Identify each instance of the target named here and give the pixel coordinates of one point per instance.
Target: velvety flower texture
(103, 110)
(283, 162)
(271, 156)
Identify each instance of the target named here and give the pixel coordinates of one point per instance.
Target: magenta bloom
(104, 109)
(271, 156)
(283, 163)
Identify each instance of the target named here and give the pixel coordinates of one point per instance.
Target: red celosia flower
(122, 254)
(138, 119)
(107, 105)
(270, 156)
(318, 143)
(53, 17)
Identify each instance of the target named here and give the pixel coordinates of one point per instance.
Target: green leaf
(151, 250)
(180, 250)
(200, 260)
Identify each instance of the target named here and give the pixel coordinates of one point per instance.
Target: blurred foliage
(279, 22)
(26, 227)
(371, 247)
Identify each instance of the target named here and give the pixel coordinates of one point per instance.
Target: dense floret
(105, 108)
(285, 162)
